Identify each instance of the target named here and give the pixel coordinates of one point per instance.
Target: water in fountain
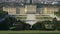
(31, 19)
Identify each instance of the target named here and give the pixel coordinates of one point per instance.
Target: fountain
(31, 19)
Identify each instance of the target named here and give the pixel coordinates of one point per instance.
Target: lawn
(29, 32)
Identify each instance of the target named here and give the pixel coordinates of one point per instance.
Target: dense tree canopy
(21, 25)
(2, 13)
(37, 26)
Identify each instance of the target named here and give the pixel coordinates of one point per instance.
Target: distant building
(33, 1)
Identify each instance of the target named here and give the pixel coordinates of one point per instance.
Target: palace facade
(41, 13)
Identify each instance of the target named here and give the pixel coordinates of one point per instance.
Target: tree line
(11, 23)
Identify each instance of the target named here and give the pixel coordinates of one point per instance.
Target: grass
(29, 32)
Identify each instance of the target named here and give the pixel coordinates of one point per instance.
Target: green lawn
(29, 32)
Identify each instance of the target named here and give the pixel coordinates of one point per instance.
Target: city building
(33, 1)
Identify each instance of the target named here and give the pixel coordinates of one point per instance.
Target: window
(17, 11)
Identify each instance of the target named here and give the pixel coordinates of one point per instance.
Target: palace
(32, 12)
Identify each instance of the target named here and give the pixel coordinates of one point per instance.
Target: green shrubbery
(38, 26)
(2, 13)
(11, 23)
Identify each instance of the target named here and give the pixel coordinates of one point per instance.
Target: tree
(21, 25)
(37, 26)
(3, 26)
(10, 21)
(48, 25)
(58, 25)
(57, 13)
(3, 13)
(55, 23)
